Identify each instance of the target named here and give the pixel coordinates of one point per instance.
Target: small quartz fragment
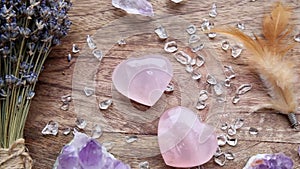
(171, 47)
(122, 42)
(189, 68)
(200, 60)
(227, 82)
(231, 141)
(80, 123)
(30, 95)
(141, 7)
(213, 12)
(225, 45)
(231, 131)
(69, 57)
(75, 49)
(104, 105)
(193, 62)
(194, 38)
(66, 98)
(64, 107)
(253, 131)
(88, 91)
(200, 105)
(218, 88)
(203, 95)
(161, 33)
(144, 165)
(90, 42)
(206, 25)
(176, 1)
(196, 75)
(108, 145)
(211, 80)
(244, 88)
(224, 126)
(218, 152)
(51, 128)
(96, 131)
(270, 161)
(238, 123)
(98, 54)
(196, 47)
(191, 29)
(211, 35)
(229, 72)
(229, 156)
(240, 25)
(236, 51)
(66, 131)
(220, 160)
(236, 99)
(297, 38)
(182, 57)
(170, 88)
(222, 140)
(131, 139)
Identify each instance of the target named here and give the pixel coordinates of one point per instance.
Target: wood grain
(90, 17)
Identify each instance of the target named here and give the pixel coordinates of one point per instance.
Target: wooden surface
(88, 16)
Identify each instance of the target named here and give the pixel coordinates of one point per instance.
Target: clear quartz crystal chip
(218, 152)
(297, 38)
(206, 25)
(196, 47)
(213, 12)
(231, 131)
(98, 54)
(131, 139)
(191, 29)
(161, 33)
(224, 126)
(90, 42)
(108, 145)
(200, 60)
(66, 98)
(229, 72)
(64, 107)
(232, 141)
(203, 95)
(240, 25)
(227, 82)
(225, 45)
(66, 131)
(200, 105)
(236, 99)
(75, 49)
(170, 88)
(144, 165)
(171, 47)
(176, 1)
(30, 95)
(121, 42)
(229, 156)
(244, 88)
(80, 123)
(88, 91)
(182, 57)
(218, 88)
(253, 131)
(222, 140)
(196, 75)
(104, 105)
(211, 35)
(238, 123)
(220, 160)
(194, 38)
(189, 68)
(193, 62)
(236, 51)
(51, 128)
(96, 131)
(210, 79)
(69, 57)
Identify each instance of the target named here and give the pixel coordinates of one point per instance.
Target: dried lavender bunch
(28, 31)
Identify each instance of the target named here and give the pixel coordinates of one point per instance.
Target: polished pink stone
(143, 79)
(183, 140)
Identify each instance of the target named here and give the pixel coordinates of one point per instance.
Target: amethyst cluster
(270, 161)
(84, 152)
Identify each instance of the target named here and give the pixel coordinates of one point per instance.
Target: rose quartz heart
(143, 79)
(183, 140)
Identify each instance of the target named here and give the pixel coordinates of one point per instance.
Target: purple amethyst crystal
(141, 7)
(269, 161)
(84, 152)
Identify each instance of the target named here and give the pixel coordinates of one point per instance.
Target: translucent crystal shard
(225, 45)
(211, 35)
(98, 54)
(227, 82)
(236, 51)
(224, 126)
(196, 47)
(206, 25)
(200, 60)
(66, 98)
(141, 7)
(220, 159)
(222, 140)
(213, 12)
(69, 57)
(105, 104)
(64, 106)
(30, 95)
(229, 72)
(297, 38)
(191, 29)
(131, 139)
(88, 91)
(96, 131)
(194, 38)
(161, 33)
(235, 99)
(232, 141)
(244, 88)
(218, 88)
(90, 42)
(108, 145)
(238, 123)
(144, 165)
(182, 57)
(176, 1)
(121, 42)
(171, 47)
(200, 105)
(51, 128)
(203, 95)
(196, 75)
(240, 25)
(170, 88)
(253, 131)
(231, 131)
(75, 49)
(229, 156)
(210, 79)
(66, 131)
(189, 68)
(80, 123)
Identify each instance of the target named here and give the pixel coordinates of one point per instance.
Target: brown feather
(268, 59)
